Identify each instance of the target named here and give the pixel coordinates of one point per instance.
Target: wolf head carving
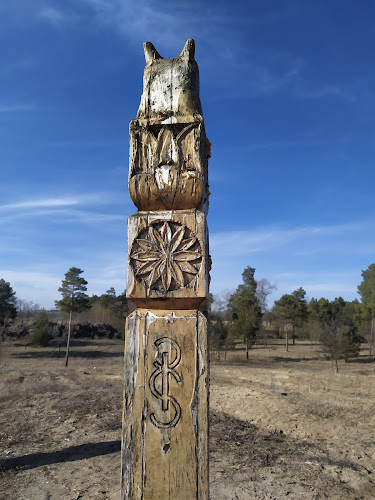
(170, 88)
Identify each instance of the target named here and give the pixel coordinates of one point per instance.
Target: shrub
(40, 334)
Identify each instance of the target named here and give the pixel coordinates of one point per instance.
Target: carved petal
(155, 274)
(157, 239)
(147, 267)
(187, 267)
(166, 278)
(146, 244)
(146, 256)
(186, 244)
(176, 239)
(177, 273)
(186, 256)
(167, 149)
(166, 234)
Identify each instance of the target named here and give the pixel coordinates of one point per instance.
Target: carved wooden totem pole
(165, 425)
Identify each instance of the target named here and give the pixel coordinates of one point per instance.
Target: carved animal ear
(150, 52)
(189, 50)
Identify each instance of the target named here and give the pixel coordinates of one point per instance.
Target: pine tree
(291, 309)
(367, 292)
(246, 310)
(74, 299)
(8, 308)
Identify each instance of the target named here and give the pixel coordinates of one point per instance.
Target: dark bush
(40, 334)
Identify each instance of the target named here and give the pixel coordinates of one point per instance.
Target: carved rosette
(165, 256)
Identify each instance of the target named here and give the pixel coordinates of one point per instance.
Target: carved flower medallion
(166, 256)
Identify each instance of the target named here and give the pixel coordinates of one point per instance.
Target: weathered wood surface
(168, 166)
(170, 88)
(165, 452)
(167, 264)
(169, 150)
(165, 425)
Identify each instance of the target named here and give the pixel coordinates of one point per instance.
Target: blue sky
(288, 95)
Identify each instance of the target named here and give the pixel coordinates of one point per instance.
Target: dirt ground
(284, 425)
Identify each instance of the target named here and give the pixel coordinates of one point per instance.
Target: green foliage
(367, 292)
(40, 335)
(319, 310)
(335, 323)
(218, 334)
(246, 310)
(340, 340)
(8, 308)
(108, 299)
(73, 290)
(291, 309)
(121, 305)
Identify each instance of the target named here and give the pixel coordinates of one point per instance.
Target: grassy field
(283, 424)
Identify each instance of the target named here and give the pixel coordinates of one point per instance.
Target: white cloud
(40, 203)
(235, 243)
(53, 15)
(95, 198)
(38, 287)
(315, 258)
(41, 287)
(170, 24)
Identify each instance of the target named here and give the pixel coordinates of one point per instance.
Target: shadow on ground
(70, 454)
(72, 354)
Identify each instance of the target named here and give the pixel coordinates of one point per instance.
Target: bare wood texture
(170, 88)
(168, 166)
(164, 449)
(167, 259)
(165, 425)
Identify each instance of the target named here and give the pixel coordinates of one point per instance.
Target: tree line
(338, 325)
(106, 308)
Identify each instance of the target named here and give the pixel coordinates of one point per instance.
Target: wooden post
(165, 423)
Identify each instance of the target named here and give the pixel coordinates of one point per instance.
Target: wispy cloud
(39, 281)
(250, 74)
(53, 16)
(260, 72)
(235, 243)
(16, 108)
(40, 203)
(24, 64)
(314, 257)
(91, 198)
(66, 209)
(37, 286)
(304, 91)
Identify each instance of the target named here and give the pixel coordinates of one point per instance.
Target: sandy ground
(283, 425)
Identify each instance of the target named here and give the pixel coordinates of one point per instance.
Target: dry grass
(283, 425)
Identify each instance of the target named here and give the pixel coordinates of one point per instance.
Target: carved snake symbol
(164, 368)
